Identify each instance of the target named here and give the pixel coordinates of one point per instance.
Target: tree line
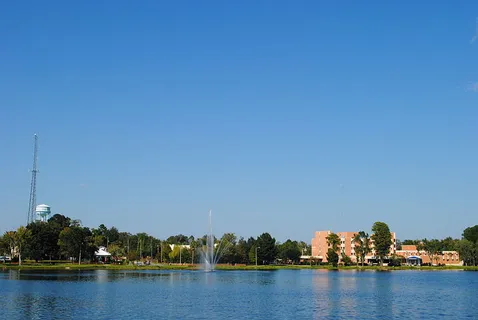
(63, 238)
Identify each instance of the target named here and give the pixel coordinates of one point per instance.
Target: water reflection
(79, 275)
(321, 283)
(348, 288)
(382, 286)
(335, 294)
(285, 294)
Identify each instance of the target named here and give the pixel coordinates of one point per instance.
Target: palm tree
(17, 240)
(9, 239)
(362, 245)
(333, 241)
(22, 236)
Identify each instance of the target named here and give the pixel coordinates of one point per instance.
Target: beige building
(347, 245)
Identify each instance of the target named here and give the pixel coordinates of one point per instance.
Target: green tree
(289, 251)
(132, 242)
(178, 239)
(175, 255)
(468, 252)
(22, 236)
(362, 246)
(227, 248)
(347, 261)
(471, 234)
(252, 255)
(433, 248)
(382, 238)
(112, 235)
(333, 241)
(77, 241)
(43, 242)
(195, 249)
(123, 240)
(100, 235)
(59, 221)
(3, 246)
(142, 246)
(9, 239)
(305, 248)
(449, 244)
(164, 252)
(395, 260)
(420, 246)
(98, 240)
(266, 248)
(242, 250)
(332, 257)
(132, 255)
(180, 254)
(116, 251)
(409, 242)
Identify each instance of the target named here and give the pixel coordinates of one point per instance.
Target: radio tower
(33, 187)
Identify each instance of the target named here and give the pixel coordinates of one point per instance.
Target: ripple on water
(283, 294)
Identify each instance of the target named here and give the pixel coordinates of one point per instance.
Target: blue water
(283, 294)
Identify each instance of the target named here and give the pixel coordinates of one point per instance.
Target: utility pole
(79, 258)
(256, 255)
(33, 185)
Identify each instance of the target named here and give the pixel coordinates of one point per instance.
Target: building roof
(102, 252)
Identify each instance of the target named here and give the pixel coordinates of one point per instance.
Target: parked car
(5, 258)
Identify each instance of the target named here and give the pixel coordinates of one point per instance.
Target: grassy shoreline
(68, 266)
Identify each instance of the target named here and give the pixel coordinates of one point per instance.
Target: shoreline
(90, 267)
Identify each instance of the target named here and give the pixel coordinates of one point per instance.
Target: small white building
(102, 252)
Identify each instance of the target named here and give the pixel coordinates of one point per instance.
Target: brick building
(447, 257)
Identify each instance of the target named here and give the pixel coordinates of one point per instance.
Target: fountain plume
(210, 254)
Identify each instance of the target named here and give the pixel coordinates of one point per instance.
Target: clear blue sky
(285, 117)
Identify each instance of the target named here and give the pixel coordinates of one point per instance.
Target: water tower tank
(42, 211)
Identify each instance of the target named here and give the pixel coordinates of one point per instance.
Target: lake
(281, 294)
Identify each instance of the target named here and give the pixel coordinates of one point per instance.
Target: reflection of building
(412, 256)
(347, 245)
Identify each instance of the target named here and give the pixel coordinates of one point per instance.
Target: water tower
(42, 211)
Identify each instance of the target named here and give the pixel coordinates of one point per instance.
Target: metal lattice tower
(33, 186)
